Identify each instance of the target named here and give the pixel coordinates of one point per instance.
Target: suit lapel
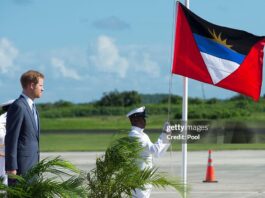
(30, 115)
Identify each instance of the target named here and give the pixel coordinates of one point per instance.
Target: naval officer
(137, 118)
(4, 106)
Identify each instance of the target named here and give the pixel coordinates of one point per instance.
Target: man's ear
(32, 86)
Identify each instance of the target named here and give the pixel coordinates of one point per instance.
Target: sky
(89, 47)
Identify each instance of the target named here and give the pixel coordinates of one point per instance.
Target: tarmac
(240, 174)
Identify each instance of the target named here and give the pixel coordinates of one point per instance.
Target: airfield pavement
(240, 174)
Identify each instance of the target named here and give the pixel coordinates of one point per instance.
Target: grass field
(97, 122)
(122, 123)
(99, 142)
(81, 133)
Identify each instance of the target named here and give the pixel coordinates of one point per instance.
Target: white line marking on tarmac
(216, 192)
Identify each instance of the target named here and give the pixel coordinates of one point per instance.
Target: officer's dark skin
(138, 122)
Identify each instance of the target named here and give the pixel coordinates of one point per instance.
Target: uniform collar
(134, 128)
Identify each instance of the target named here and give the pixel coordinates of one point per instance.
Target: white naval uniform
(150, 149)
(2, 147)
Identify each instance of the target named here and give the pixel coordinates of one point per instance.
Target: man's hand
(12, 172)
(166, 128)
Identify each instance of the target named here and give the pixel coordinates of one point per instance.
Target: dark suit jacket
(22, 137)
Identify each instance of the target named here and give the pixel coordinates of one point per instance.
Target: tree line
(133, 98)
(119, 103)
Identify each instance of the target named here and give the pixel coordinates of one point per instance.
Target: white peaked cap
(9, 102)
(139, 112)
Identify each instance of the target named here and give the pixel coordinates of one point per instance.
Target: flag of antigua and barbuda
(221, 56)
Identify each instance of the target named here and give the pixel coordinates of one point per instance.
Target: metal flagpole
(184, 122)
(184, 140)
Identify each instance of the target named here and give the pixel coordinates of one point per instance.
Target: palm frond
(77, 183)
(12, 192)
(160, 180)
(117, 173)
(56, 166)
(49, 178)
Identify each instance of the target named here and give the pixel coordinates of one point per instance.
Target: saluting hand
(166, 128)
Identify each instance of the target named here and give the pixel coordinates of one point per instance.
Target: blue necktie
(34, 111)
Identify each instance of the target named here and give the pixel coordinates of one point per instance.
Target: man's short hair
(29, 77)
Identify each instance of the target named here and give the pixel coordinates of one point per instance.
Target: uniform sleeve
(13, 127)
(160, 147)
(2, 132)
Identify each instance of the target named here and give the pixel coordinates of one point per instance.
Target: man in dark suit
(22, 126)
